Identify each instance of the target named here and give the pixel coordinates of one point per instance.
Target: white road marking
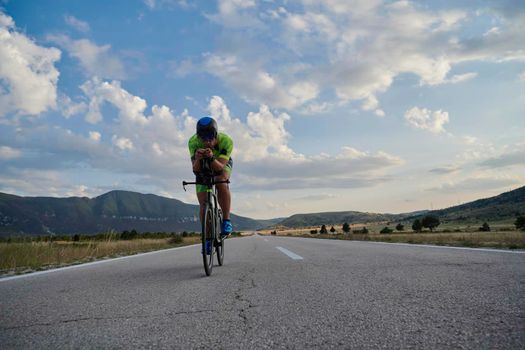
(290, 254)
(31, 274)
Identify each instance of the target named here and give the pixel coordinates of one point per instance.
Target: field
(502, 236)
(22, 257)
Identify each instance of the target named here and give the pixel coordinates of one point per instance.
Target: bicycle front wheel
(208, 234)
(219, 245)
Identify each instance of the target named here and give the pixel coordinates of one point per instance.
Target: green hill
(115, 210)
(504, 207)
(333, 218)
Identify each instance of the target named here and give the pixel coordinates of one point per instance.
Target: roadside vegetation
(28, 254)
(506, 235)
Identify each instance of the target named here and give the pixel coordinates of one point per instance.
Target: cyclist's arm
(196, 161)
(225, 150)
(218, 164)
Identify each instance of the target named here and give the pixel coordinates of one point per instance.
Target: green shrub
(520, 223)
(430, 222)
(417, 226)
(386, 230)
(484, 228)
(175, 239)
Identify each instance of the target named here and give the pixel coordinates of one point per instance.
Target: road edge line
(70, 267)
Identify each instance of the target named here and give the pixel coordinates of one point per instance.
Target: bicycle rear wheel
(208, 234)
(219, 244)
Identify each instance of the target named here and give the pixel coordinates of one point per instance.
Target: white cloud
(263, 134)
(478, 182)
(359, 47)
(33, 181)
(95, 136)
(122, 142)
(156, 4)
(28, 77)
(150, 4)
(130, 106)
(521, 76)
(510, 158)
(236, 14)
(459, 78)
(425, 119)
(469, 140)
(317, 197)
(96, 60)
(259, 86)
(9, 153)
(77, 24)
(181, 69)
(70, 108)
(158, 140)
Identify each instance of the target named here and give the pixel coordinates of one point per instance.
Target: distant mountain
(117, 210)
(122, 210)
(505, 206)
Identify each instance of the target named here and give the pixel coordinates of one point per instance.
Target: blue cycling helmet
(207, 128)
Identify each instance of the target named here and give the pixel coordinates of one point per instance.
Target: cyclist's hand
(199, 154)
(208, 153)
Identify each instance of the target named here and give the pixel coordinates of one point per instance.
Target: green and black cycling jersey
(223, 149)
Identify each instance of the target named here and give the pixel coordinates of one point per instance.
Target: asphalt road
(323, 294)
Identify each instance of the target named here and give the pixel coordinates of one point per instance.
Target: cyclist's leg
(223, 192)
(202, 197)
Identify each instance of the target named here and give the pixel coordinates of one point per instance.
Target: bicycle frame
(211, 205)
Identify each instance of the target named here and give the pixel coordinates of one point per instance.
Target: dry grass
(506, 240)
(495, 239)
(25, 257)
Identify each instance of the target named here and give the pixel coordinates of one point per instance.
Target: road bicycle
(212, 221)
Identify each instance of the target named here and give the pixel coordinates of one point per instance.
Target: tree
(364, 230)
(332, 229)
(430, 222)
(417, 226)
(386, 230)
(323, 229)
(400, 227)
(125, 235)
(520, 222)
(76, 238)
(485, 227)
(313, 232)
(346, 227)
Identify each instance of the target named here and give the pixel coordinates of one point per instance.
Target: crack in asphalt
(48, 324)
(245, 301)
(246, 283)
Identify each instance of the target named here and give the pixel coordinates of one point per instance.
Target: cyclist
(209, 143)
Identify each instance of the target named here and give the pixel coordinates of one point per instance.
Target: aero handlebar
(213, 182)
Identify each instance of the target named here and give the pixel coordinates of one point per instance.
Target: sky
(334, 105)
